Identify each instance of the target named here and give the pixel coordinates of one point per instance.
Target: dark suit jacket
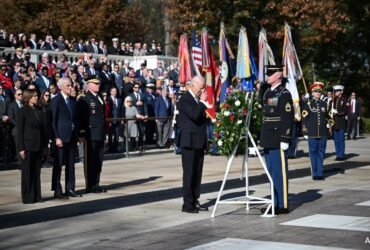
(142, 109)
(41, 83)
(192, 123)
(160, 108)
(29, 130)
(106, 82)
(63, 119)
(115, 111)
(12, 110)
(79, 47)
(90, 73)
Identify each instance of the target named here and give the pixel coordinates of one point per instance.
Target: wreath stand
(247, 199)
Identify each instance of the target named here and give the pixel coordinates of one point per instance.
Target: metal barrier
(126, 138)
(135, 61)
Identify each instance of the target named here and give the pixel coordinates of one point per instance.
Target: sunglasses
(19, 94)
(47, 95)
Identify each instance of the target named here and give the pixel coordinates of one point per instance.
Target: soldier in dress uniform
(91, 124)
(278, 118)
(315, 127)
(339, 111)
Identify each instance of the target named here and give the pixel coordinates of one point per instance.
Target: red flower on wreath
(232, 117)
(217, 134)
(226, 105)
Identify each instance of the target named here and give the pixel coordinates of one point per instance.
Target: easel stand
(247, 199)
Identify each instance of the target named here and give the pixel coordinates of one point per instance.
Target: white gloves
(358, 118)
(307, 95)
(284, 146)
(334, 111)
(305, 137)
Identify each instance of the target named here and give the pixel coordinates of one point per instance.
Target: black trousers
(31, 182)
(352, 125)
(64, 156)
(94, 152)
(150, 129)
(113, 136)
(192, 165)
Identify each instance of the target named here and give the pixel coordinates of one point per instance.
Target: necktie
(69, 105)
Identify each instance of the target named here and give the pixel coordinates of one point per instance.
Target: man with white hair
(64, 128)
(193, 140)
(125, 68)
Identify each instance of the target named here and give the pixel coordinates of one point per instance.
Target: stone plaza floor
(142, 208)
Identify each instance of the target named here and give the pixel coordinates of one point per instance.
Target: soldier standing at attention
(315, 129)
(340, 112)
(91, 123)
(278, 118)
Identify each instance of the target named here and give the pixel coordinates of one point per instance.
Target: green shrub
(365, 125)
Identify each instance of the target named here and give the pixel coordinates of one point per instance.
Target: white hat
(338, 87)
(115, 39)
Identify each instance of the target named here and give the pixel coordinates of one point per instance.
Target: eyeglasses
(47, 95)
(20, 94)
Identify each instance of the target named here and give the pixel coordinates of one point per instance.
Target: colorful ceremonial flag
(265, 55)
(292, 69)
(196, 52)
(245, 71)
(185, 74)
(227, 68)
(210, 70)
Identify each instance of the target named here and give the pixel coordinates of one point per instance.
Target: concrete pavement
(142, 207)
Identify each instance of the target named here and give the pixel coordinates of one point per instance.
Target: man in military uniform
(315, 128)
(278, 118)
(91, 122)
(339, 112)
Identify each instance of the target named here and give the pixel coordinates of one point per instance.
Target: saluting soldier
(278, 118)
(91, 124)
(339, 112)
(315, 127)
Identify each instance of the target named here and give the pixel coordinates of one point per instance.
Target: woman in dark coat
(30, 143)
(44, 104)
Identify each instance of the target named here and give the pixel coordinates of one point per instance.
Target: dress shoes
(60, 196)
(200, 207)
(314, 178)
(71, 193)
(191, 210)
(320, 178)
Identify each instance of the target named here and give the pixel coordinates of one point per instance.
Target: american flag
(196, 50)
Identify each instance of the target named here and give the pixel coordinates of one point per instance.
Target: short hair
(28, 94)
(62, 81)
(195, 79)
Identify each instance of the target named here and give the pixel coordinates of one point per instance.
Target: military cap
(338, 87)
(271, 69)
(317, 86)
(93, 80)
(150, 85)
(115, 39)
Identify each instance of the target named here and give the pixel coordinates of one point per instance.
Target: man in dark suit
(163, 108)
(43, 81)
(138, 101)
(118, 79)
(91, 125)
(193, 140)
(174, 73)
(115, 109)
(64, 128)
(150, 125)
(12, 110)
(353, 116)
(80, 47)
(106, 80)
(91, 69)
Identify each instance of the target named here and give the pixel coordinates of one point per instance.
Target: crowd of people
(92, 45)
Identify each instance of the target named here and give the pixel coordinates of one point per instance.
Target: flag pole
(304, 84)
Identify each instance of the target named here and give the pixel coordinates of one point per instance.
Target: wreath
(230, 122)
